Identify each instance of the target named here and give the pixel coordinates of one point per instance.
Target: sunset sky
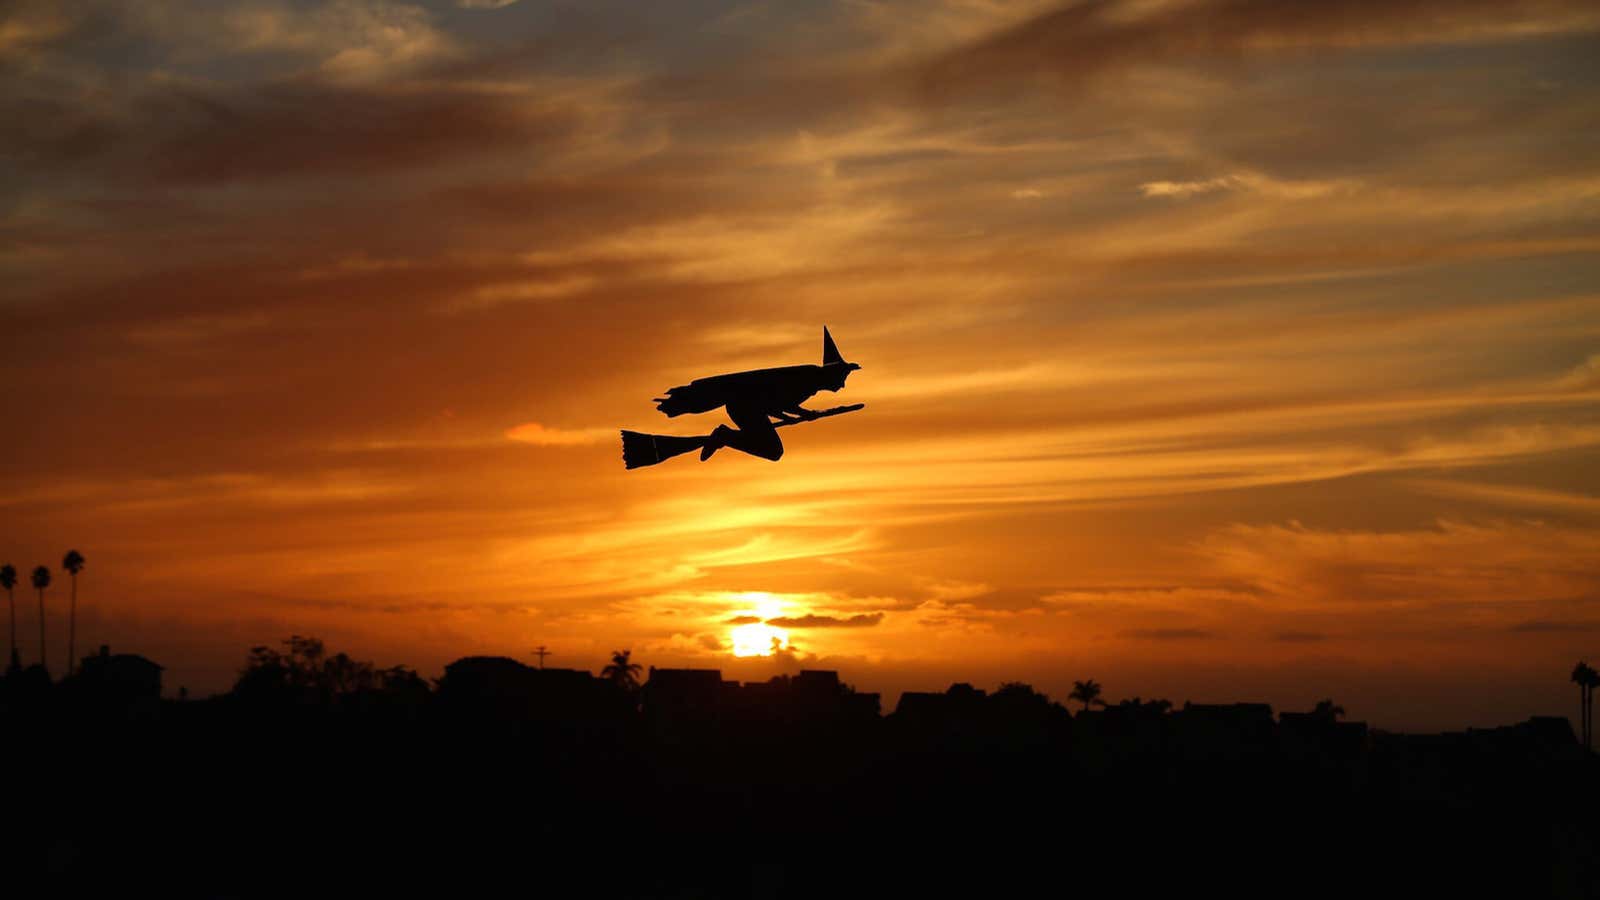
(1233, 350)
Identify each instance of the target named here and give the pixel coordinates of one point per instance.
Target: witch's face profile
(839, 370)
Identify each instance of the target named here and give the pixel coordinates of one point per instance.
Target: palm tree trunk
(1588, 717)
(11, 600)
(41, 630)
(72, 625)
(1584, 707)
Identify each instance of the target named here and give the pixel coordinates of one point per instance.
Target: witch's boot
(715, 441)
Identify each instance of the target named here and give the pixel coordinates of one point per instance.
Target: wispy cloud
(196, 329)
(1455, 563)
(1261, 184)
(1075, 41)
(542, 436)
(1584, 375)
(865, 620)
(1512, 495)
(1168, 634)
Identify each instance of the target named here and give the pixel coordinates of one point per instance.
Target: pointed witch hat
(830, 352)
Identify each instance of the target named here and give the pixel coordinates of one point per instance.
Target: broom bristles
(639, 449)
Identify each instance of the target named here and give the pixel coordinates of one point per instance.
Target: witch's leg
(755, 435)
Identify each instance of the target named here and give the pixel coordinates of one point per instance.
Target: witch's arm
(793, 414)
(808, 415)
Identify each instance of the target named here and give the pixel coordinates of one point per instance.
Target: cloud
(522, 291)
(351, 39)
(196, 329)
(1188, 188)
(1555, 627)
(1075, 41)
(969, 618)
(1583, 375)
(865, 620)
(539, 435)
(1509, 495)
(1261, 184)
(1455, 563)
(955, 591)
(28, 26)
(305, 128)
(198, 131)
(484, 4)
(744, 620)
(1151, 600)
(1168, 634)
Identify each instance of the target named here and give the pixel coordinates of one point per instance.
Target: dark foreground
(551, 784)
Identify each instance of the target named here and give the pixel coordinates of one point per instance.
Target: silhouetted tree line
(319, 773)
(304, 672)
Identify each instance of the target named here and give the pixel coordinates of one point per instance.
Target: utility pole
(541, 652)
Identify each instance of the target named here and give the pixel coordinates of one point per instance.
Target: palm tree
(41, 580)
(1586, 678)
(73, 563)
(1582, 674)
(1591, 683)
(8, 580)
(622, 672)
(1086, 692)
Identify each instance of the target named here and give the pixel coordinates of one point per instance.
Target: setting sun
(758, 640)
(750, 634)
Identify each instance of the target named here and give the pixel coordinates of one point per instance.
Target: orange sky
(1214, 350)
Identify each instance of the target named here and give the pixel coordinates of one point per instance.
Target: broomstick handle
(821, 414)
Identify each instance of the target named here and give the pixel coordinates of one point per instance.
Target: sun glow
(759, 638)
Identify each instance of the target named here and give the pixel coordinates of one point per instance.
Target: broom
(639, 449)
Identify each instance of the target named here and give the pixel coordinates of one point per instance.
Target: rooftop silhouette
(317, 770)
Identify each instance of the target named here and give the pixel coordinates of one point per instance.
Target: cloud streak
(864, 620)
(1075, 41)
(542, 436)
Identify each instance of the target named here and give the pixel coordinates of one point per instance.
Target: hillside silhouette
(322, 775)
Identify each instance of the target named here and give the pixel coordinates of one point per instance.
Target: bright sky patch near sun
(1227, 349)
(758, 638)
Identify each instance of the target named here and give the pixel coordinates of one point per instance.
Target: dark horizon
(316, 769)
(790, 666)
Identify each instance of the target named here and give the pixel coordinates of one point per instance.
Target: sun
(759, 638)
